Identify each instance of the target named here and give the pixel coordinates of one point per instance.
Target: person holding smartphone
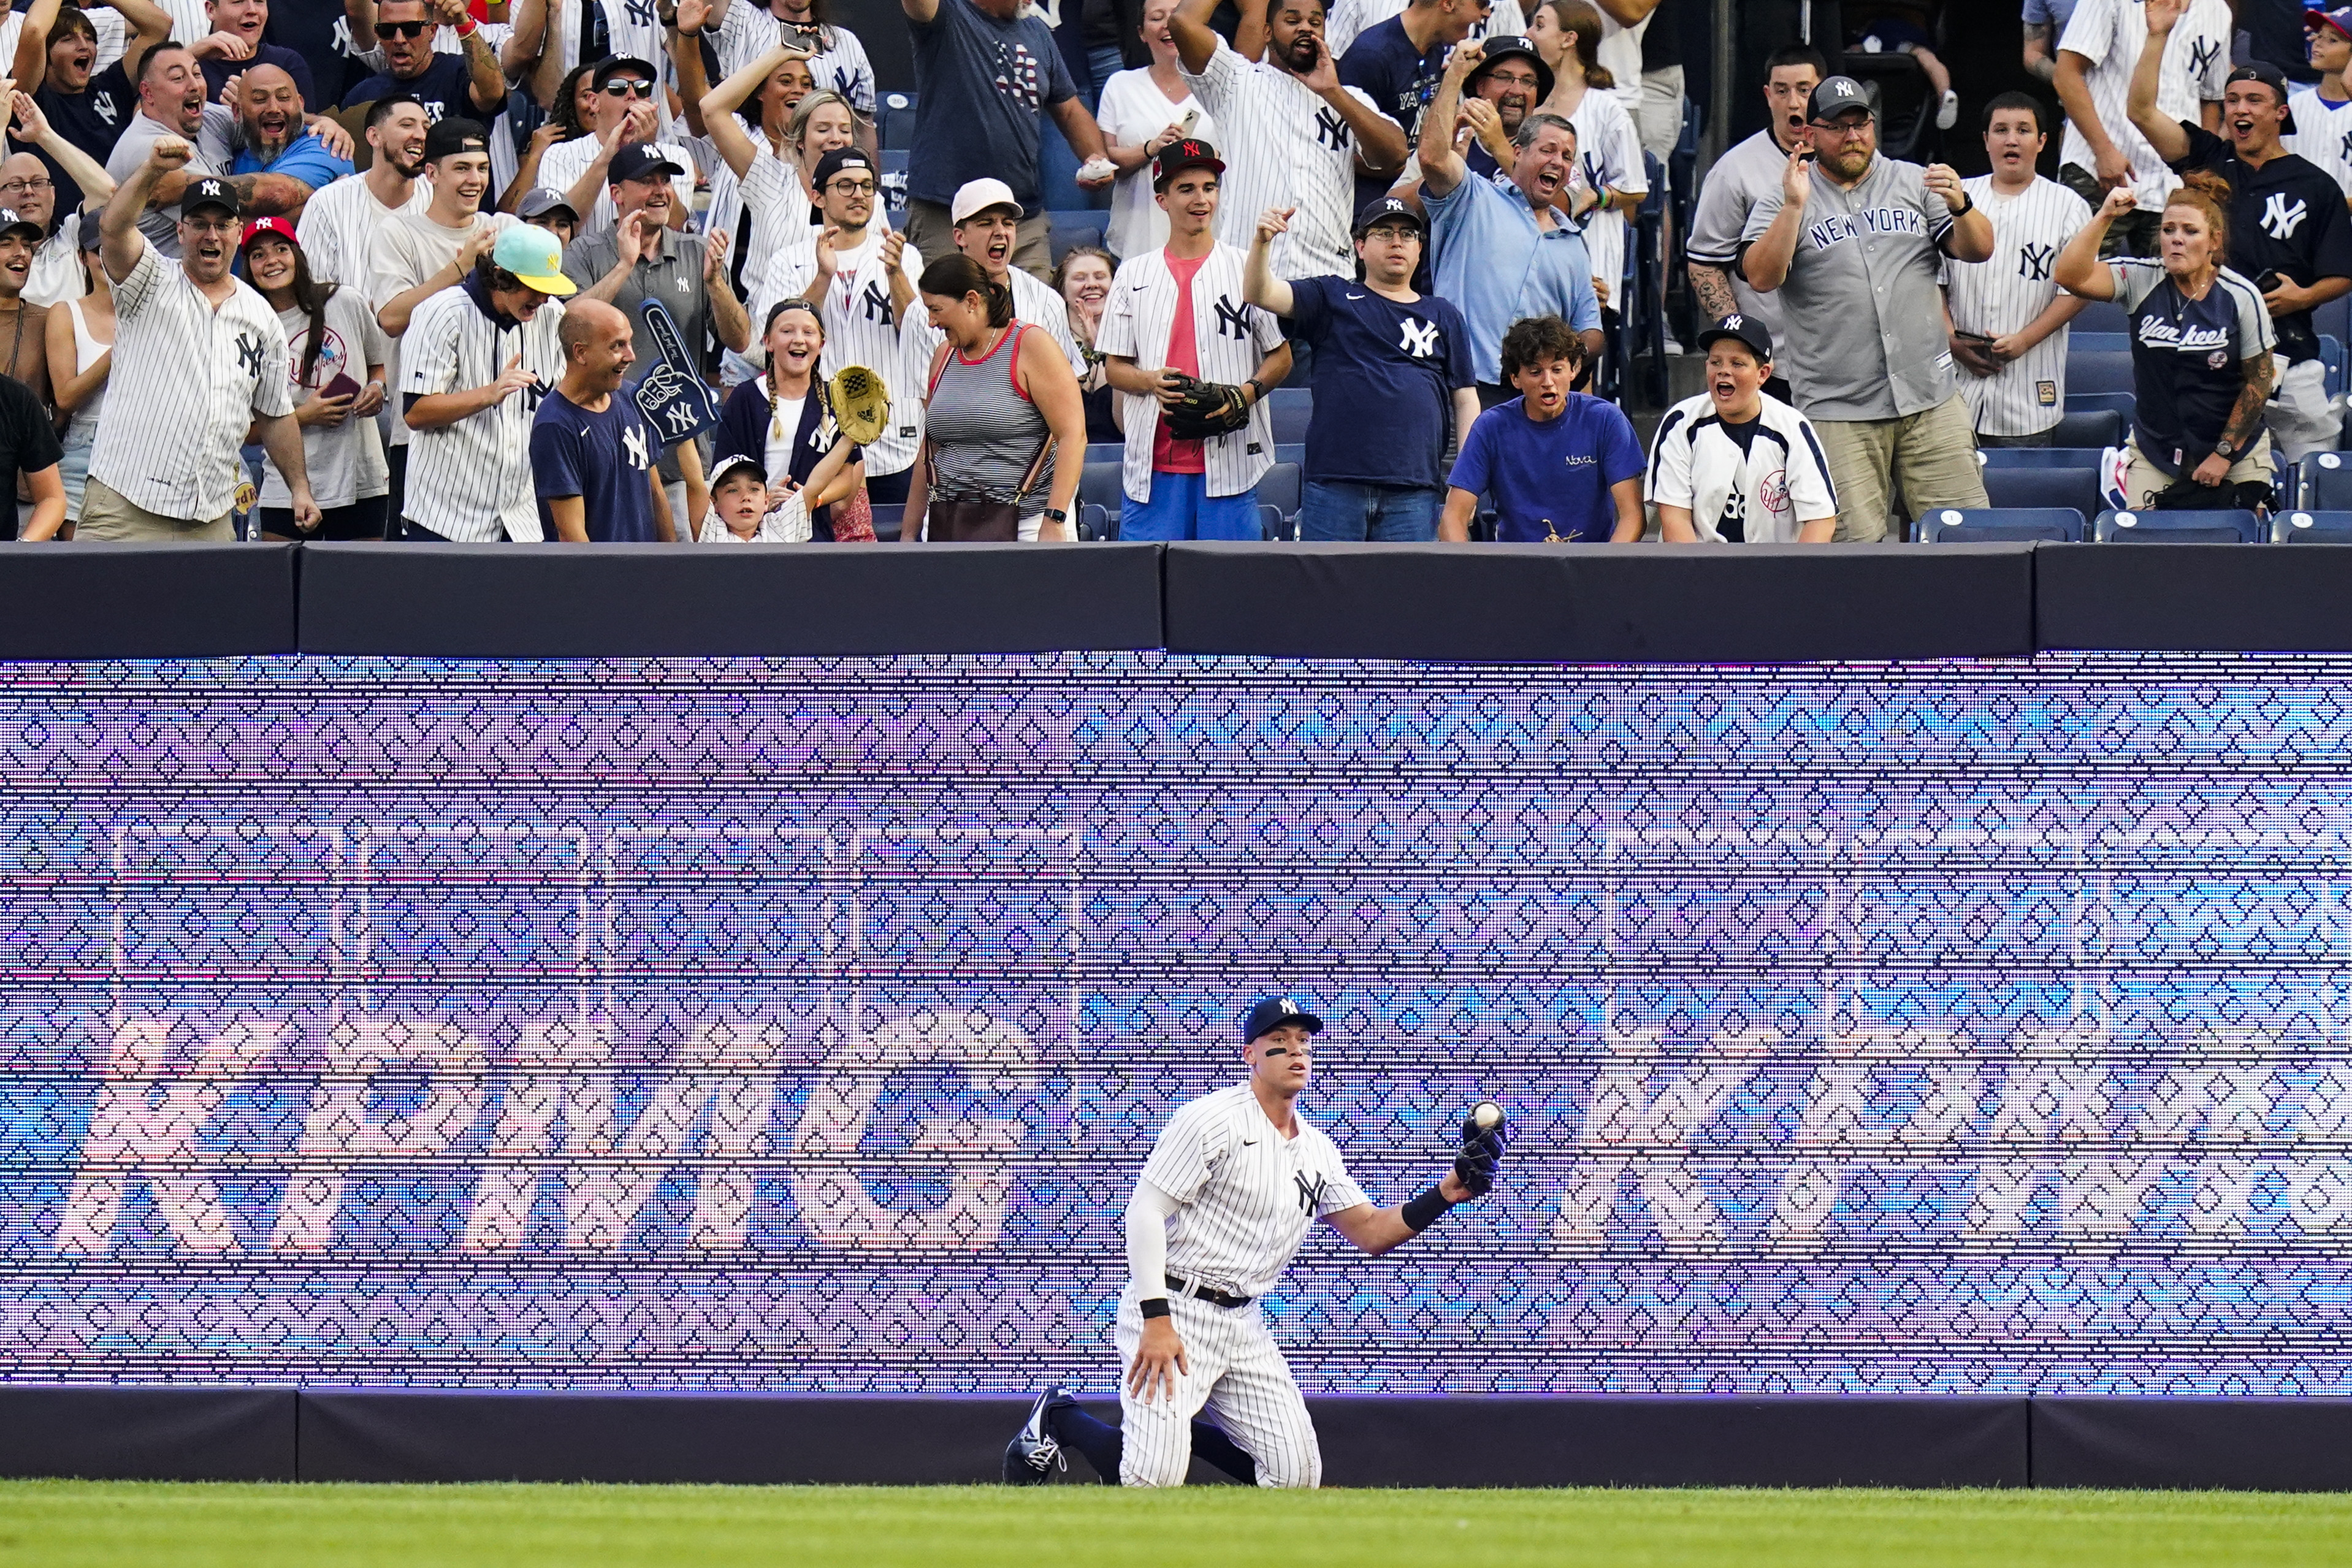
(336, 355)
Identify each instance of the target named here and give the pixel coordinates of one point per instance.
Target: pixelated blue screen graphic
(800, 1025)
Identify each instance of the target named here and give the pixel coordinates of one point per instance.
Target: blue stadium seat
(2311, 528)
(2180, 527)
(2054, 525)
(2326, 481)
(2098, 428)
(1291, 408)
(2101, 316)
(2099, 370)
(2074, 488)
(897, 113)
(2100, 401)
(2039, 457)
(1072, 229)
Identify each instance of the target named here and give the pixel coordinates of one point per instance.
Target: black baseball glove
(1206, 408)
(1482, 1153)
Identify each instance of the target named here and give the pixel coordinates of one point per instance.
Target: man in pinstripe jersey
(1224, 1201)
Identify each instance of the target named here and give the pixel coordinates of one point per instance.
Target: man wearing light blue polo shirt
(1502, 254)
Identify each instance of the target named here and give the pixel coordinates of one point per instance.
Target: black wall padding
(634, 601)
(383, 1435)
(145, 601)
(2241, 598)
(1659, 1441)
(1752, 604)
(148, 1434)
(2257, 1445)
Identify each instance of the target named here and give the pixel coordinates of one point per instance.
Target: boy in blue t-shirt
(1562, 467)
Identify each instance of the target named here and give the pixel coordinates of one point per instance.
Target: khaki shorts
(1931, 456)
(105, 515)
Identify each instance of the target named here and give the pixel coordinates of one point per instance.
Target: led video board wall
(803, 1025)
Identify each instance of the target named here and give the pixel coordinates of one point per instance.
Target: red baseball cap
(278, 226)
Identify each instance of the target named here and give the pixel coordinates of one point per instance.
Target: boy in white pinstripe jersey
(1224, 1201)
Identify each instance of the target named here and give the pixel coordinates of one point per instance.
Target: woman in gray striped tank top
(1005, 432)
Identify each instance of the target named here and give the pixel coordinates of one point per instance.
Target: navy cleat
(1035, 1452)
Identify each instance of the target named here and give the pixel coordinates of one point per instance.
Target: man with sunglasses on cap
(1233, 1183)
(2322, 113)
(199, 360)
(1392, 380)
(1855, 244)
(621, 116)
(469, 85)
(2289, 233)
(1192, 360)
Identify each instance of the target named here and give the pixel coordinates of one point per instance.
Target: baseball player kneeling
(1231, 1185)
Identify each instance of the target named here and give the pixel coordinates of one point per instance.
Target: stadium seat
(2098, 370)
(2100, 401)
(2311, 528)
(2041, 457)
(897, 117)
(2054, 525)
(2096, 429)
(2011, 488)
(1291, 408)
(1072, 229)
(2325, 481)
(2180, 527)
(2100, 316)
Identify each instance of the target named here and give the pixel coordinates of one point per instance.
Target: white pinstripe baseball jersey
(338, 228)
(470, 481)
(1283, 146)
(2108, 34)
(750, 30)
(1608, 151)
(188, 382)
(1245, 1195)
(1759, 495)
(1231, 338)
(2323, 135)
(2000, 295)
(561, 165)
(860, 330)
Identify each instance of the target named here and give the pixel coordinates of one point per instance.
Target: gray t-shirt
(213, 156)
(1865, 318)
(1740, 178)
(981, 83)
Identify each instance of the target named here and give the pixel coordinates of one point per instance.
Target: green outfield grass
(1083, 1527)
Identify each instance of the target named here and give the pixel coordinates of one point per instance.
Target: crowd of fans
(410, 262)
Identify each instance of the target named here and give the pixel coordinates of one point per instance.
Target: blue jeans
(1180, 507)
(1334, 511)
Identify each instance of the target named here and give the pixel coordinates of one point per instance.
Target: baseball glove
(1206, 408)
(1482, 1151)
(860, 404)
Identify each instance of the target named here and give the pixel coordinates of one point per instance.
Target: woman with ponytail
(337, 356)
(996, 420)
(2200, 350)
(1611, 178)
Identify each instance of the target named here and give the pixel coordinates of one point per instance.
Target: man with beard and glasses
(27, 186)
(241, 22)
(1297, 136)
(2288, 230)
(1398, 62)
(269, 112)
(467, 86)
(89, 106)
(1503, 254)
(339, 224)
(171, 103)
(419, 254)
(199, 360)
(1854, 243)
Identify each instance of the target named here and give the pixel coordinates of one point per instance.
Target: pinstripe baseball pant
(1238, 1374)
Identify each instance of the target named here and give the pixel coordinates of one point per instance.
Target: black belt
(1213, 1297)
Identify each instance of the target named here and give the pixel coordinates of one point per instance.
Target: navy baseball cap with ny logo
(1836, 96)
(1271, 1013)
